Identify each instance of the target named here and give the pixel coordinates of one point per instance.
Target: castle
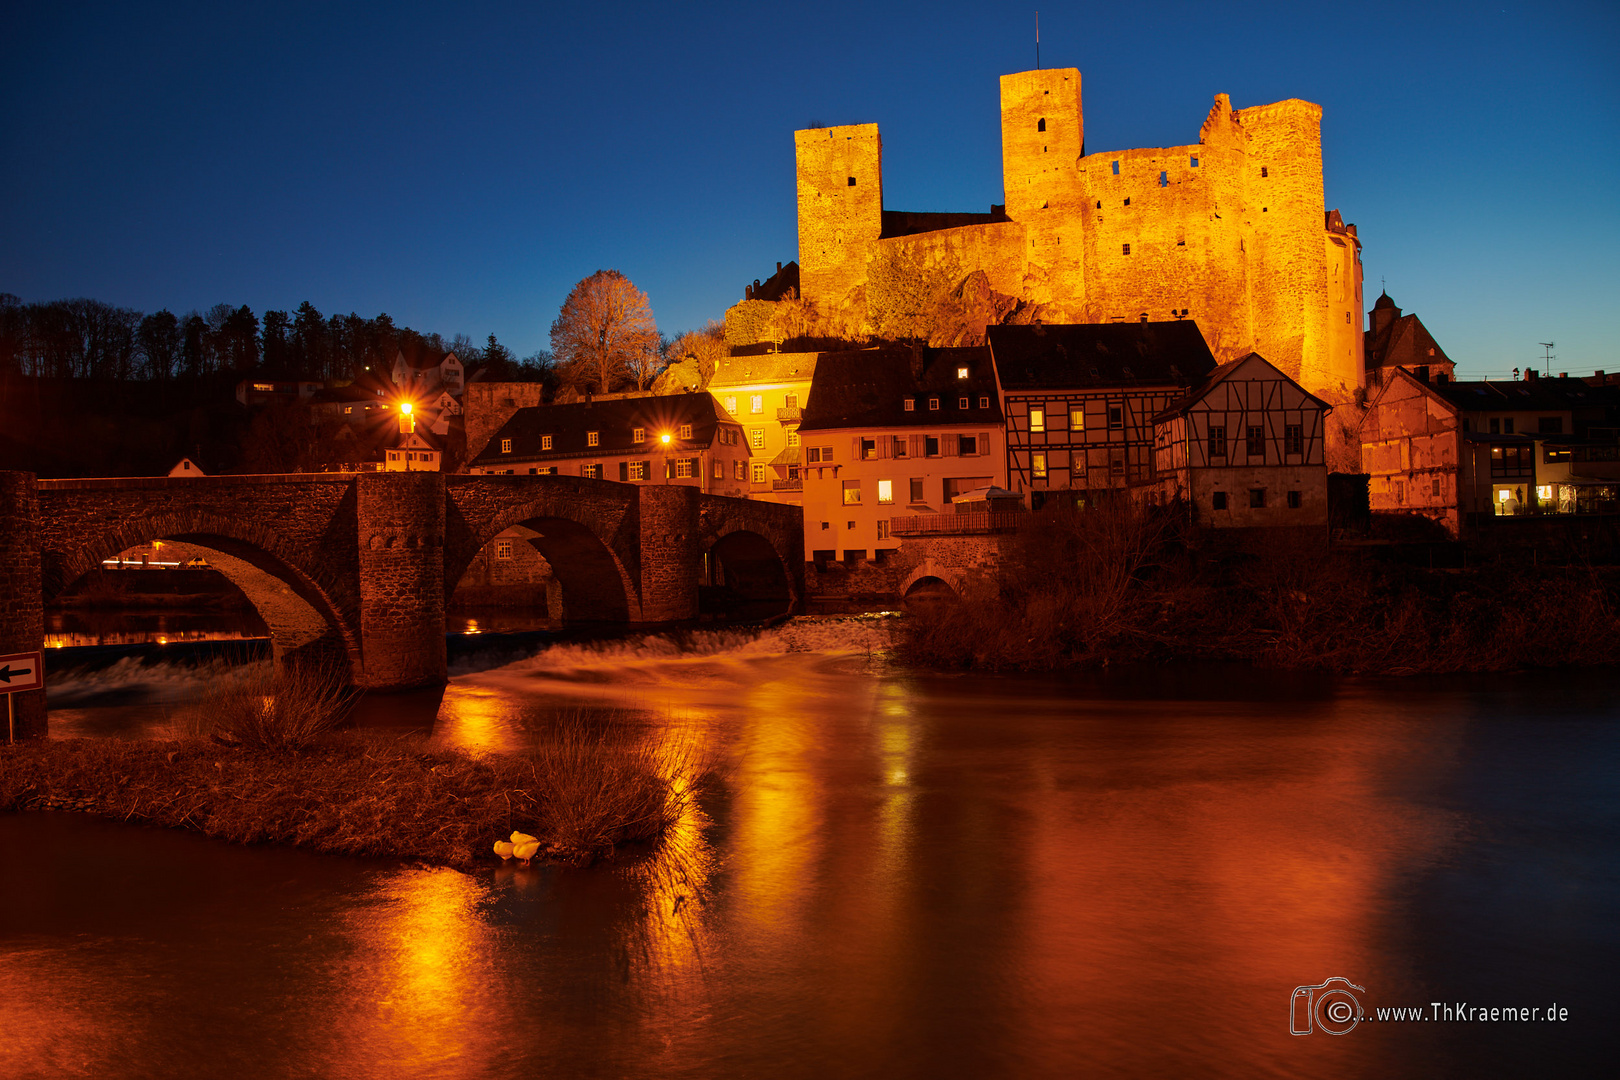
(1230, 232)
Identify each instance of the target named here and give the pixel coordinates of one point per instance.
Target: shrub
(265, 706)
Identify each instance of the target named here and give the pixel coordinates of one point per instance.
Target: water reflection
(905, 876)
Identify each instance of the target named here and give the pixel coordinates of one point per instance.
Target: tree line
(90, 339)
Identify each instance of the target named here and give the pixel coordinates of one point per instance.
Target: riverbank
(583, 794)
(1123, 585)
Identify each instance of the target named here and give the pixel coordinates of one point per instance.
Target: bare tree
(605, 333)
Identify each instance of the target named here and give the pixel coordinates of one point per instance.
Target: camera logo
(1329, 1006)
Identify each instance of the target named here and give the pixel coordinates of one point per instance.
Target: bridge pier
(671, 559)
(22, 607)
(402, 587)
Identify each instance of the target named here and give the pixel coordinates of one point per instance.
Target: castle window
(1164, 178)
(1265, 209)
(1116, 168)
(1264, 171)
(1195, 163)
(1347, 319)
(1099, 204)
(1127, 249)
(1041, 126)
(1127, 200)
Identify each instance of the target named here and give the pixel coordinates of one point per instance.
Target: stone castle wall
(1230, 229)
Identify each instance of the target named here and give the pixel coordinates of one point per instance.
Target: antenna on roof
(1037, 41)
(1547, 348)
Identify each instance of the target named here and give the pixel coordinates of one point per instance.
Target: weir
(355, 569)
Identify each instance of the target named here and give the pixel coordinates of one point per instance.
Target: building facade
(766, 394)
(1230, 231)
(1246, 448)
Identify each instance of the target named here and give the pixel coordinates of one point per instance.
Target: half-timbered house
(1245, 448)
(1080, 400)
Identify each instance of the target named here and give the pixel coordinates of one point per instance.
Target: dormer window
(593, 438)
(506, 446)
(638, 435)
(686, 431)
(545, 442)
(911, 404)
(962, 372)
(933, 404)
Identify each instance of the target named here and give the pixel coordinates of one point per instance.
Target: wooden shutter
(984, 444)
(855, 449)
(949, 445)
(919, 446)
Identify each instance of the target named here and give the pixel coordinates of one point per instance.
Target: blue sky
(461, 167)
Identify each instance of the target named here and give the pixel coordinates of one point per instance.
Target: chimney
(1531, 374)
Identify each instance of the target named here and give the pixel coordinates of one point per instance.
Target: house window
(731, 403)
(1217, 440)
(1037, 419)
(506, 446)
(686, 431)
(1077, 419)
(756, 438)
(1507, 426)
(899, 448)
(791, 401)
(930, 446)
(1511, 461)
(1037, 466)
(961, 403)
(1257, 498)
(911, 404)
(545, 442)
(503, 549)
(759, 474)
(1116, 467)
(984, 403)
(967, 445)
(638, 470)
(933, 404)
(1293, 438)
(793, 436)
(885, 491)
(852, 493)
(883, 532)
(1217, 501)
(916, 489)
(816, 455)
(1295, 500)
(593, 438)
(347, 409)
(683, 468)
(756, 403)
(868, 449)
(593, 472)
(1116, 417)
(638, 435)
(1496, 426)
(740, 469)
(961, 373)
(1256, 441)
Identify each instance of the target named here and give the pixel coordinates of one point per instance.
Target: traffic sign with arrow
(21, 671)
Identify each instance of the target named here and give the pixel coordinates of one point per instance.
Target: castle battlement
(1230, 231)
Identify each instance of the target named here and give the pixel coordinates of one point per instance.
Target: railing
(787, 485)
(789, 414)
(957, 524)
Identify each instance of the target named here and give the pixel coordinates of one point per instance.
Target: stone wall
(22, 607)
(402, 586)
(840, 194)
(486, 406)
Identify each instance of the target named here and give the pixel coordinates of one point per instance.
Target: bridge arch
(586, 562)
(746, 562)
(929, 571)
(305, 620)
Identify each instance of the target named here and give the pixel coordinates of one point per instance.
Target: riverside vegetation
(264, 759)
(1119, 584)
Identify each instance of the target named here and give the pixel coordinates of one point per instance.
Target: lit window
(638, 470)
(1037, 466)
(686, 431)
(638, 435)
(506, 446)
(756, 403)
(791, 401)
(756, 438)
(852, 492)
(545, 442)
(961, 373)
(731, 404)
(1077, 419)
(719, 470)
(741, 470)
(933, 404)
(503, 549)
(347, 409)
(593, 438)
(911, 404)
(683, 468)
(759, 474)
(1037, 419)
(885, 491)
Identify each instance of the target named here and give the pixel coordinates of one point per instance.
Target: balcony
(787, 485)
(789, 415)
(958, 524)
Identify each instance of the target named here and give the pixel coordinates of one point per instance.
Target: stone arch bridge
(356, 568)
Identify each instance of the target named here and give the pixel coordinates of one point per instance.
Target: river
(905, 876)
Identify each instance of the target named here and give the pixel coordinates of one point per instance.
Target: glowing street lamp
(664, 438)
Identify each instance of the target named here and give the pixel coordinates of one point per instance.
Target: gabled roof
(1100, 354)
(1533, 395)
(614, 422)
(736, 371)
(1223, 373)
(869, 388)
(1404, 342)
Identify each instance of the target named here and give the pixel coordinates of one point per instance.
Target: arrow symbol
(8, 671)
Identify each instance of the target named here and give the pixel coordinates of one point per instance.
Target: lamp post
(664, 438)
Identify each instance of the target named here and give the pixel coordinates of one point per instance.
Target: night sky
(460, 168)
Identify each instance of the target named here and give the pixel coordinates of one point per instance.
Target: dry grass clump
(266, 706)
(590, 790)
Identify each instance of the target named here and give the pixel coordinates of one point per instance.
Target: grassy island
(269, 765)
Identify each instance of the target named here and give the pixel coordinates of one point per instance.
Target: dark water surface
(905, 876)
